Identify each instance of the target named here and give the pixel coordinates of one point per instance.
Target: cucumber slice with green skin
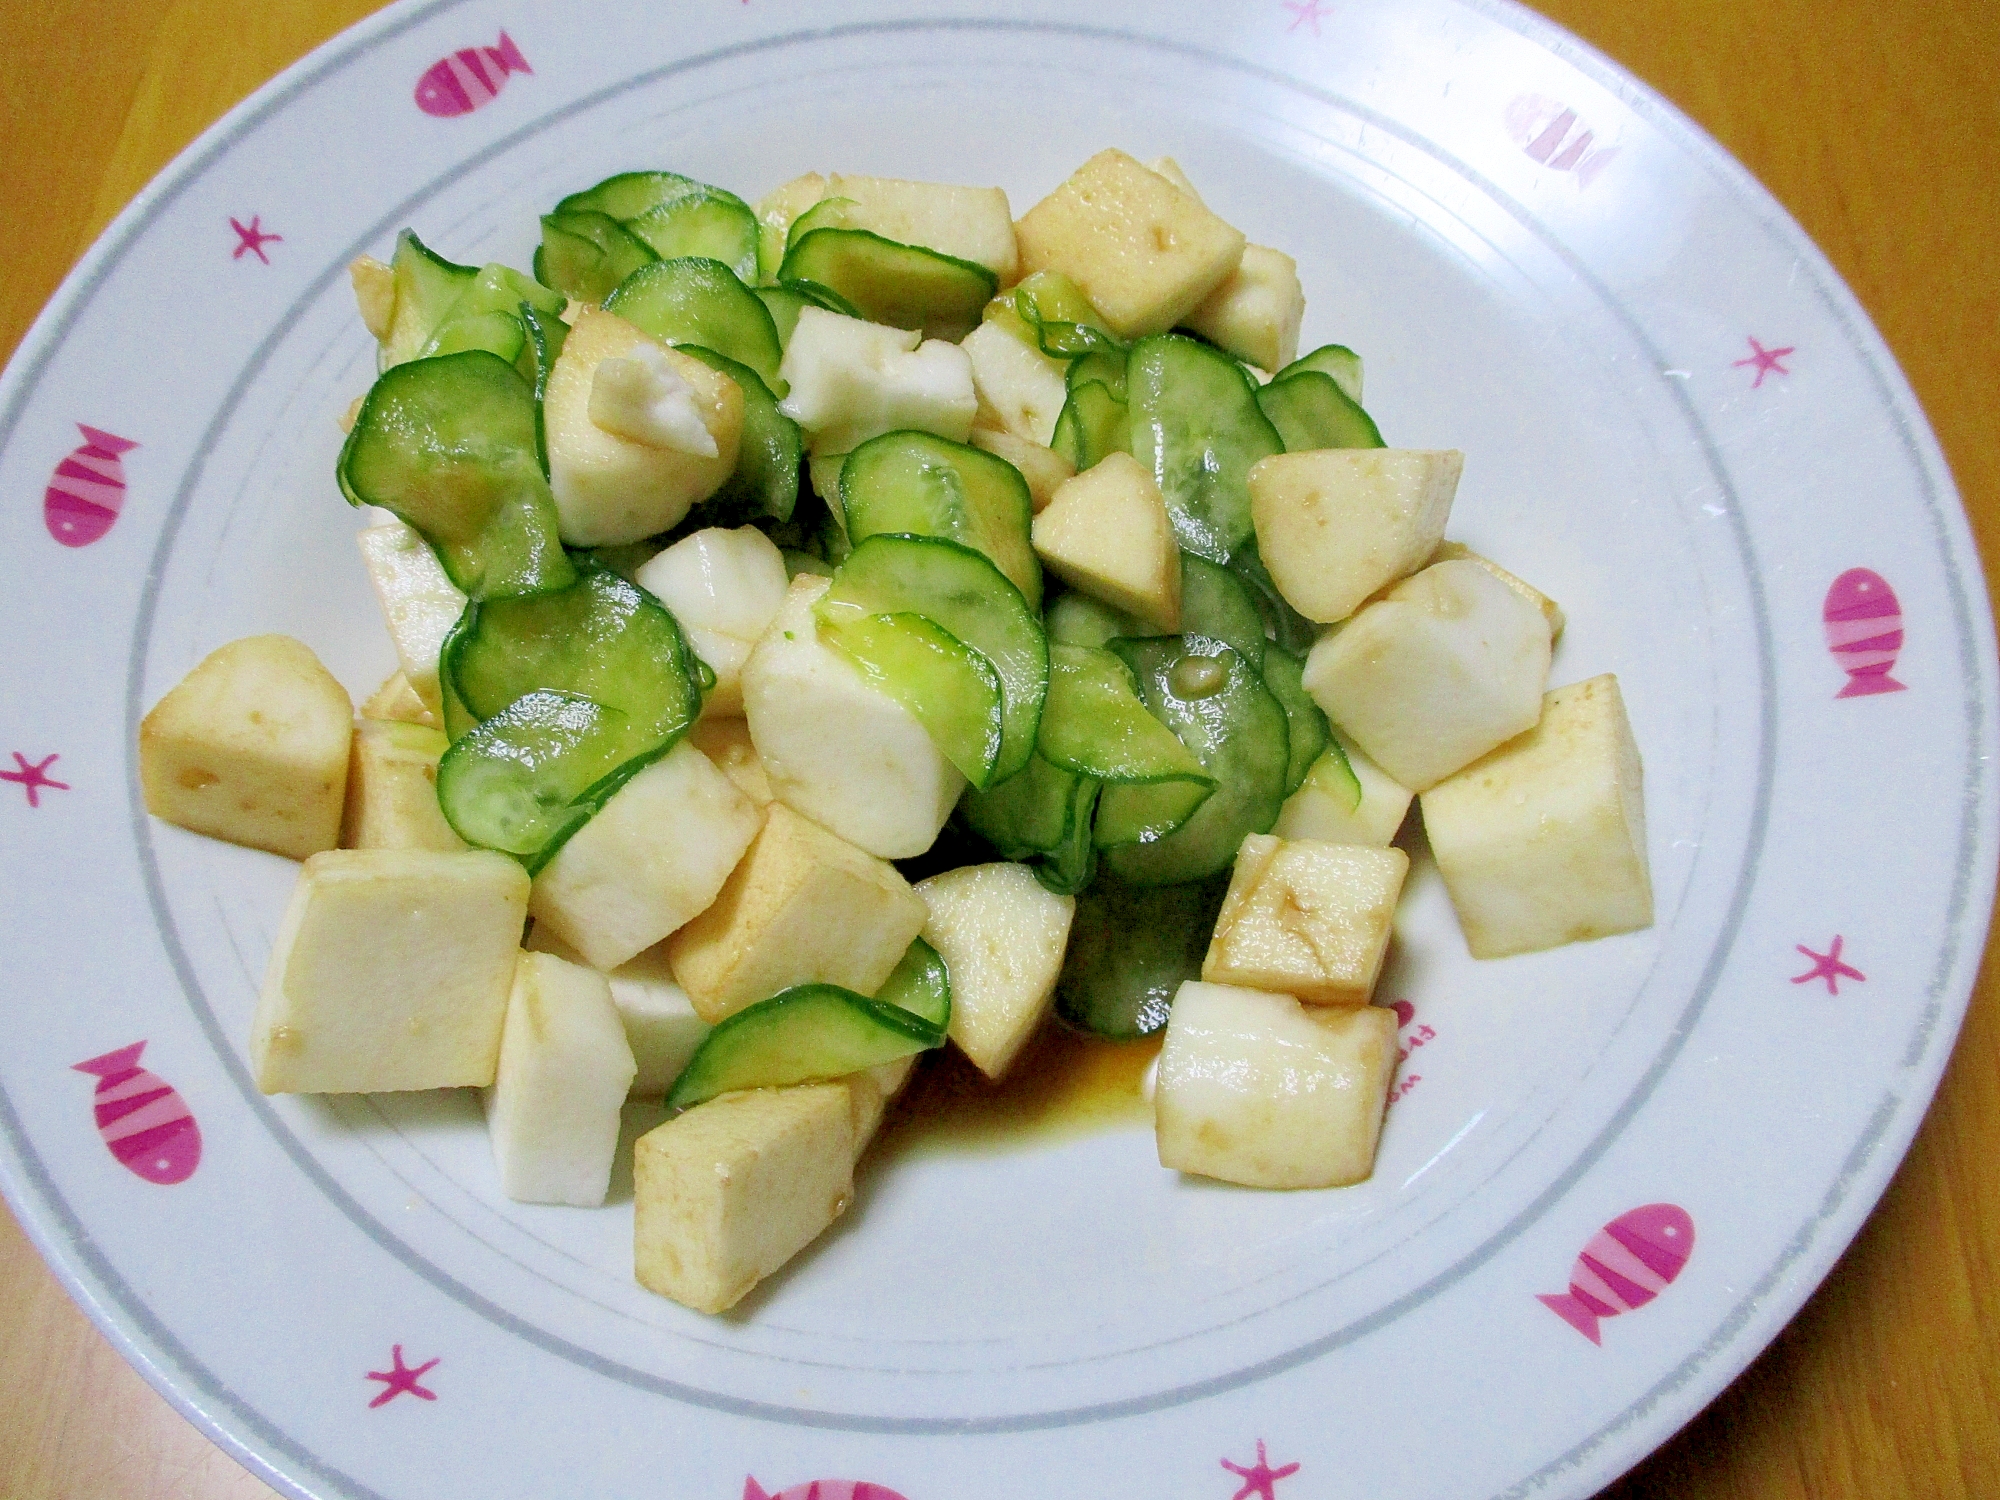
(1072, 864)
(1095, 725)
(971, 600)
(904, 286)
(426, 286)
(1130, 949)
(919, 484)
(1092, 424)
(1306, 728)
(1197, 425)
(1235, 728)
(526, 779)
(1216, 606)
(487, 316)
(809, 1032)
(605, 639)
(1312, 412)
(1145, 814)
(585, 254)
(920, 985)
(768, 455)
(950, 688)
(1061, 318)
(1333, 773)
(448, 444)
(787, 299)
(1031, 812)
(828, 213)
(1335, 360)
(709, 222)
(690, 300)
(545, 340)
(1107, 369)
(1076, 619)
(1291, 630)
(627, 195)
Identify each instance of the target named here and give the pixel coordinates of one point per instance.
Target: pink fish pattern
(1864, 631)
(1550, 132)
(822, 1489)
(1628, 1263)
(470, 77)
(143, 1119)
(87, 490)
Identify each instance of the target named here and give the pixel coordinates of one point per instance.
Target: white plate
(1545, 266)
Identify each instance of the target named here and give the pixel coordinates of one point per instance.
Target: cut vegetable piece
(660, 1021)
(392, 789)
(775, 212)
(448, 444)
(921, 985)
(565, 1068)
(252, 746)
(585, 254)
(1215, 606)
(802, 907)
(901, 285)
(1031, 812)
(1072, 864)
(723, 587)
(1335, 360)
(1106, 533)
(1094, 423)
(1307, 919)
(961, 591)
(526, 779)
(1020, 389)
(1306, 728)
(1145, 813)
(650, 861)
(390, 971)
(766, 481)
(708, 223)
(804, 1035)
(426, 285)
(853, 380)
(1235, 728)
(1346, 799)
(1255, 314)
(1050, 311)
(626, 195)
(840, 751)
(1130, 949)
(1002, 938)
(1196, 424)
(1459, 552)
(951, 689)
(695, 300)
(969, 223)
(919, 484)
(1258, 1089)
(1095, 724)
(487, 315)
(419, 603)
(1145, 253)
(1311, 411)
(1079, 620)
(1043, 469)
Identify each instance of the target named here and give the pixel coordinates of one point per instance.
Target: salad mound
(857, 623)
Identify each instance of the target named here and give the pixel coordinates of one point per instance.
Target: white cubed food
(419, 603)
(724, 587)
(1002, 938)
(661, 1024)
(1021, 390)
(1346, 799)
(1306, 919)
(852, 380)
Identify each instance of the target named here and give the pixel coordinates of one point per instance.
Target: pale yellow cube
(1346, 799)
(1306, 919)
(396, 700)
(728, 1192)
(1020, 389)
(1144, 252)
(1255, 1088)
(1255, 314)
(1107, 533)
(723, 586)
(1043, 468)
(251, 746)
(419, 603)
(727, 744)
(1543, 842)
(392, 789)
(1002, 938)
(1459, 552)
(803, 907)
(552, 1113)
(970, 223)
(652, 858)
(1334, 525)
(390, 971)
(661, 1026)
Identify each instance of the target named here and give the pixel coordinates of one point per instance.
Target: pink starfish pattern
(253, 239)
(1827, 966)
(1260, 1480)
(400, 1379)
(34, 777)
(1304, 11)
(1766, 361)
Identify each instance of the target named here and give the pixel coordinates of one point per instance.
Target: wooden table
(1877, 124)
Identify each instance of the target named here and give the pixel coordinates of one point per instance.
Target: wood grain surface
(1877, 124)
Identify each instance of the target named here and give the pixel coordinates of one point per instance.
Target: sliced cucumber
(585, 254)
(1311, 411)
(1216, 606)
(809, 1032)
(1029, 813)
(904, 286)
(1072, 864)
(920, 985)
(691, 300)
(1130, 949)
(449, 445)
(1076, 619)
(828, 213)
(426, 286)
(768, 455)
(1196, 424)
(1235, 728)
(486, 315)
(1335, 360)
(545, 340)
(1283, 624)
(630, 194)
(961, 591)
(1333, 773)
(1095, 724)
(1061, 320)
(1145, 814)
(1092, 424)
(951, 689)
(1305, 722)
(708, 222)
(919, 484)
